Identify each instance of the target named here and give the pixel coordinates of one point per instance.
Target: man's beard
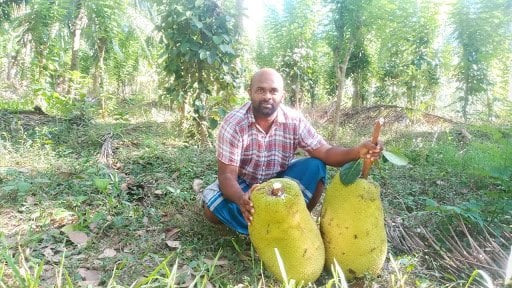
(265, 108)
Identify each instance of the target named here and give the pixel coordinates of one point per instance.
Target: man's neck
(265, 123)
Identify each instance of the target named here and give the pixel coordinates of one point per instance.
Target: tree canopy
(452, 57)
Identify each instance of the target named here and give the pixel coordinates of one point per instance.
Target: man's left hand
(368, 150)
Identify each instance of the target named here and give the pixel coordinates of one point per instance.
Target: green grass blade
(153, 274)
(172, 277)
(37, 275)
(69, 283)
(487, 278)
(281, 267)
(508, 273)
(11, 263)
(338, 276)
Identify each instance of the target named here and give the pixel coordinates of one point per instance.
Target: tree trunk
(40, 52)
(465, 98)
(76, 31)
(12, 64)
(98, 72)
(341, 71)
(489, 105)
(510, 81)
(97, 84)
(200, 118)
(240, 15)
(78, 25)
(357, 100)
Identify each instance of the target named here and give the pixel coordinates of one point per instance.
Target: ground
(114, 200)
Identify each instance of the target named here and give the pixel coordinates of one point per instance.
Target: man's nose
(267, 94)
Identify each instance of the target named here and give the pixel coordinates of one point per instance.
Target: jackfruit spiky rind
(352, 227)
(284, 222)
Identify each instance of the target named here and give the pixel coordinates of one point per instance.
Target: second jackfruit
(352, 226)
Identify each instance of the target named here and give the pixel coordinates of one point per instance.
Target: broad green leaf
(350, 172)
(217, 39)
(69, 228)
(395, 159)
(213, 123)
(197, 23)
(23, 187)
(223, 47)
(203, 54)
(211, 58)
(430, 203)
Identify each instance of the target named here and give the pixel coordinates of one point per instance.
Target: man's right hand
(246, 206)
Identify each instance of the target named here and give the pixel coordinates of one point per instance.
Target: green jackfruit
(282, 221)
(352, 227)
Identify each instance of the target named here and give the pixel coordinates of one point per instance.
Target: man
(258, 141)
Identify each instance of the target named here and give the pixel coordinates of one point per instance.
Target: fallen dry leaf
(78, 257)
(91, 277)
(50, 256)
(173, 244)
(61, 217)
(108, 253)
(48, 252)
(129, 248)
(93, 226)
(124, 187)
(78, 237)
(197, 185)
(171, 233)
(244, 257)
(186, 275)
(30, 200)
(219, 262)
(158, 192)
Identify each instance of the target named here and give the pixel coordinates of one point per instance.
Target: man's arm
(337, 156)
(228, 183)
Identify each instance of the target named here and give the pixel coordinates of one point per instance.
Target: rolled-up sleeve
(229, 144)
(309, 139)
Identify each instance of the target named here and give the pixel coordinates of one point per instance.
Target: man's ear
(283, 96)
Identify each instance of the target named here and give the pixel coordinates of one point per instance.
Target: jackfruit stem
(277, 189)
(367, 163)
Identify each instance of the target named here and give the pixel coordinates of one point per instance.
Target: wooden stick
(367, 164)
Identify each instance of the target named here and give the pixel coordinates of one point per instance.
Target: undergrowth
(139, 201)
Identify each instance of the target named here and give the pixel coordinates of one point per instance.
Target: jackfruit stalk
(281, 220)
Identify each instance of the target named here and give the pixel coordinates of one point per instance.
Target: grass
(143, 205)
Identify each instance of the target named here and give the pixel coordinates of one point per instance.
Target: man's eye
(273, 91)
(260, 90)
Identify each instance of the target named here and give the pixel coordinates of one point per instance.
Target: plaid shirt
(261, 156)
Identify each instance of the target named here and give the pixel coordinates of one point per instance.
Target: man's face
(266, 93)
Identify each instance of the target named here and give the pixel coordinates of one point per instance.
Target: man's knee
(318, 165)
(208, 214)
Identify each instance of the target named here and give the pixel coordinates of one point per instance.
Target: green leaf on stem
(350, 172)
